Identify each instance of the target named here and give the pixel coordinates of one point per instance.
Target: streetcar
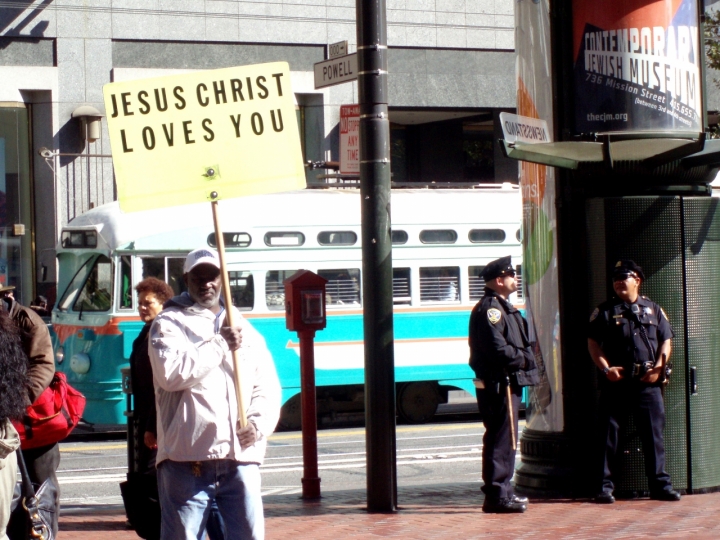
(441, 240)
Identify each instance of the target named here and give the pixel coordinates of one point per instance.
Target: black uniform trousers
(617, 401)
(498, 456)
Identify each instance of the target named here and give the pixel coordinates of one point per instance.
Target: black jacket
(616, 328)
(499, 345)
(142, 383)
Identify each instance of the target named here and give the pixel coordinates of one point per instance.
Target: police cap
(627, 268)
(498, 268)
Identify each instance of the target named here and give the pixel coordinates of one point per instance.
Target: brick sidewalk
(447, 511)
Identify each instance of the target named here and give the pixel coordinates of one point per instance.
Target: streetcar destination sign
(336, 71)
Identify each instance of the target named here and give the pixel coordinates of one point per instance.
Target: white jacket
(195, 389)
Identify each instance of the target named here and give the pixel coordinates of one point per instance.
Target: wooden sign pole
(230, 318)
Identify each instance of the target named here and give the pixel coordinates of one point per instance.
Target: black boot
(503, 506)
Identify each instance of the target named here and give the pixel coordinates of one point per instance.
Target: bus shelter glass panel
(242, 290)
(401, 286)
(343, 286)
(440, 284)
(274, 288)
(96, 294)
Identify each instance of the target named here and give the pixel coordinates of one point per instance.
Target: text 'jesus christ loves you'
(240, 122)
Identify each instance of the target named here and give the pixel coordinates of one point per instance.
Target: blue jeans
(186, 496)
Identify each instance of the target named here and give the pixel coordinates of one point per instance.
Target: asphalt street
(446, 451)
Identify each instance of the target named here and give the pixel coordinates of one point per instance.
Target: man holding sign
(182, 139)
(204, 455)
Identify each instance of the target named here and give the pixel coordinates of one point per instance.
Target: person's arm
(38, 347)
(598, 356)
(177, 362)
(507, 355)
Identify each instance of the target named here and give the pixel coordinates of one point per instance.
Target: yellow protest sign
(177, 139)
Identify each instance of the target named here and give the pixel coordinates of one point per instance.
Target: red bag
(53, 416)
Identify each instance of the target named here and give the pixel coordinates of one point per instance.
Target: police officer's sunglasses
(622, 276)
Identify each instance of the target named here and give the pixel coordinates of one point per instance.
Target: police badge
(493, 315)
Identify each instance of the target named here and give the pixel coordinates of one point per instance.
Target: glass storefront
(16, 260)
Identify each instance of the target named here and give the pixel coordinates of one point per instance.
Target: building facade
(451, 72)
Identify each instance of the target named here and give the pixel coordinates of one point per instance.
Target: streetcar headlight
(80, 363)
(59, 355)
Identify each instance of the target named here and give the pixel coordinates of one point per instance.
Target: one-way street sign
(336, 71)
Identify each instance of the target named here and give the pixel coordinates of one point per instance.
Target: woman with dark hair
(152, 294)
(13, 393)
(140, 492)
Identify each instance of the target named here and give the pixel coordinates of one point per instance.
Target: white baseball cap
(201, 256)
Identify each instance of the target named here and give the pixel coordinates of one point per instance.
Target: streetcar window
(486, 236)
(154, 267)
(398, 237)
(242, 290)
(438, 236)
(518, 235)
(232, 240)
(167, 269)
(74, 286)
(284, 239)
(440, 284)
(401, 286)
(476, 283)
(343, 286)
(274, 288)
(174, 274)
(126, 296)
(79, 239)
(337, 238)
(96, 294)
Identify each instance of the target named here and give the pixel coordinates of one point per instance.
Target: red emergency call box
(305, 301)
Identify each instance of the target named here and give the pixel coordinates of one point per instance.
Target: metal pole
(377, 256)
(310, 479)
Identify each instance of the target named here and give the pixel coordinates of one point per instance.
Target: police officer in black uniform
(502, 357)
(630, 342)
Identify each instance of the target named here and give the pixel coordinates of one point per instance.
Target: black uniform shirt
(615, 327)
(498, 339)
